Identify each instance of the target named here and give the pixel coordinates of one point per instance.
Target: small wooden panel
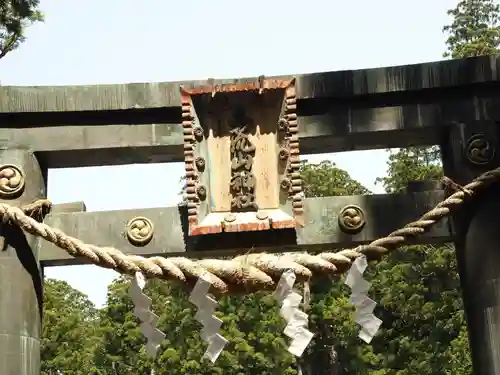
(246, 137)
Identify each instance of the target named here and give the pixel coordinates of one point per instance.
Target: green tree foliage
(257, 346)
(411, 164)
(15, 17)
(330, 314)
(457, 355)
(419, 291)
(121, 350)
(474, 30)
(68, 333)
(326, 180)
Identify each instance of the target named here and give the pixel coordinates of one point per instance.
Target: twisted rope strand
(38, 209)
(244, 273)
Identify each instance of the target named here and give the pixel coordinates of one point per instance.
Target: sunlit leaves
(474, 30)
(69, 330)
(15, 17)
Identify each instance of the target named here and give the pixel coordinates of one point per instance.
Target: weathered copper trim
(189, 160)
(259, 85)
(293, 148)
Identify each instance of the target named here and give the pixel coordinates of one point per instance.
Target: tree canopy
(15, 17)
(474, 30)
(68, 334)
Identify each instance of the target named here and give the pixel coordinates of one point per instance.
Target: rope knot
(451, 187)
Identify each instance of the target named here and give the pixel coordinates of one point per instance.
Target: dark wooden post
(473, 149)
(21, 182)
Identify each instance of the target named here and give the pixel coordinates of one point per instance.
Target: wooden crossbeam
(417, 121)
(338, 111)
(384, 213)
(442, 74)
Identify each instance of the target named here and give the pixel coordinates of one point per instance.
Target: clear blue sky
(121, 41)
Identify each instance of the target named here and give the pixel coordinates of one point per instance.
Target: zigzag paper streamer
(364, 305)
(148, 319)
(206, 316)
(296, 320)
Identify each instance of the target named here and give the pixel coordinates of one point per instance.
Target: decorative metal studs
(229, 217)
(140, 231)
(283, 154)
(198, 132)
(351, 219)
(202, 192)
(200, 163)
(285, 184)
(282, 124)
(12, 181)
(479, 150)
(261, 215)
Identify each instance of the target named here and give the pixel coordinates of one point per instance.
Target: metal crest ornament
(140, 231)
(480, 150)
(241, 148)
(12, 181)
(351, 219)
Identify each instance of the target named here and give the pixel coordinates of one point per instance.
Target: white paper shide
(359, 298)
(142, 305)
(296, 319)
(206, 316)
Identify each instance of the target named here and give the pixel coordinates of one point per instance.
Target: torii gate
(240, 140)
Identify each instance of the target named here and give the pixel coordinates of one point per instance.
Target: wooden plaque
(241, 152)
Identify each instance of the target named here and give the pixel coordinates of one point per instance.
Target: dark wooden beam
(374, 122)
(384, 213)
(80, 146)
(442, 74)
